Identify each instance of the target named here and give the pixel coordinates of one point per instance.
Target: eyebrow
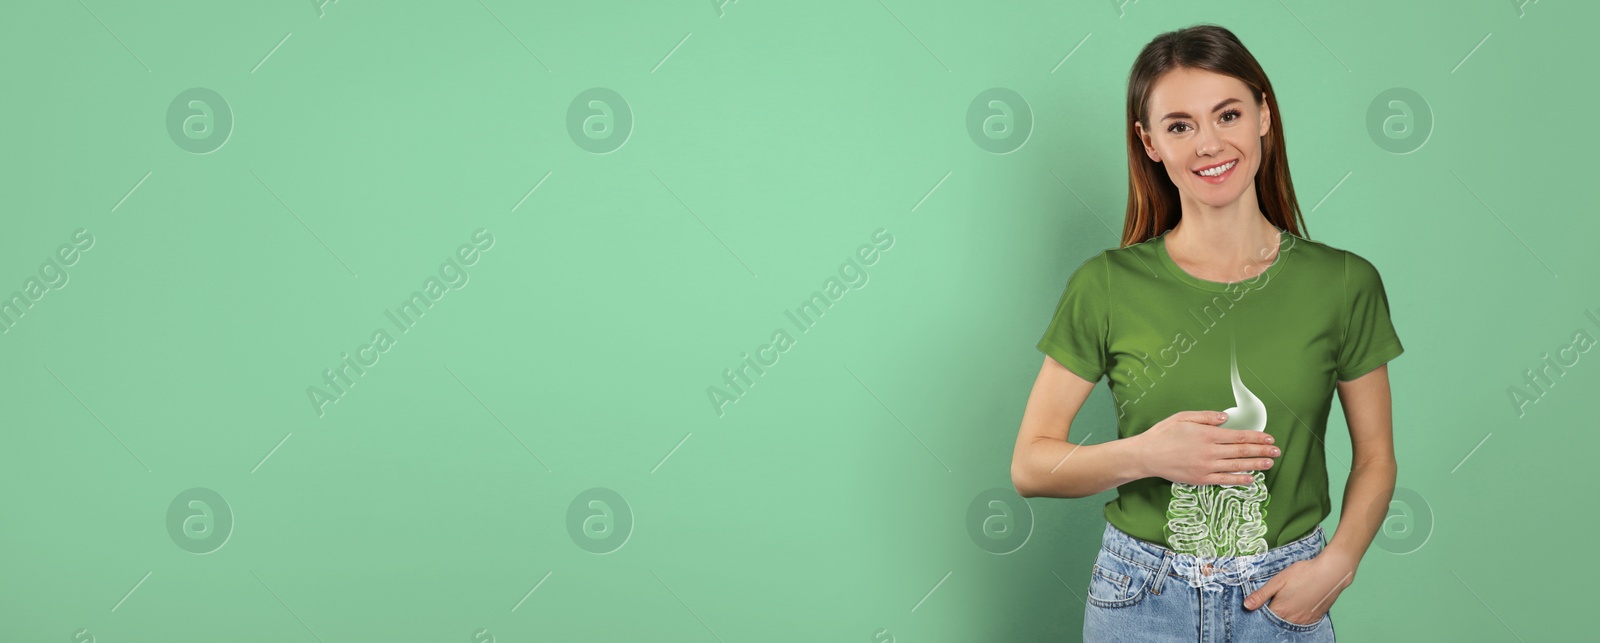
(1220, 105)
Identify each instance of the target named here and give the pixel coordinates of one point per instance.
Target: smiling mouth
(1218, 177)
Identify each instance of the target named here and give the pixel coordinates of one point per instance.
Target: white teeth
(1218, 170)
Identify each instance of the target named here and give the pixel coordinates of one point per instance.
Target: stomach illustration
(1227, 519)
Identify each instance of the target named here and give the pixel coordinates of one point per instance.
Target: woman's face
(1200, 119)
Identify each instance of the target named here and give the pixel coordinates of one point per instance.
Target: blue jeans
(1142, 592)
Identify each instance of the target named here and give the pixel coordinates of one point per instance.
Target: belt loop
(1161, 572)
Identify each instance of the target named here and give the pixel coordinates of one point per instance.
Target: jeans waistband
(1211, 572)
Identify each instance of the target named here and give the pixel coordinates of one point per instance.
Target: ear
(1144, 140)
(1266, 115)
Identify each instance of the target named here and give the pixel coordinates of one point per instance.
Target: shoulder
(1317, 253)
(1334, 260)
(1088, 279)
(1356, 273)
(1136, 258)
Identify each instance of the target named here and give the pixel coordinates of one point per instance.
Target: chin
(1218, 203)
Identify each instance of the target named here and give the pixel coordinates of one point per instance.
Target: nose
(1206, 139)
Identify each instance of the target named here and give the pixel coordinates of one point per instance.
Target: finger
(1235, 465)
(1247, 459)
(1208, 426)
(1258, 597)
(1236, 436)
(1211, 418)
(1230, 478)
(1248, 452)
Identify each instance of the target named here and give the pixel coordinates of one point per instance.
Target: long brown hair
(1153, 204)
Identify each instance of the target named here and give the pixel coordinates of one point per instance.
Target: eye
(1236, 114)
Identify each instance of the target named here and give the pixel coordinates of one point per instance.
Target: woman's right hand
(1190, 447)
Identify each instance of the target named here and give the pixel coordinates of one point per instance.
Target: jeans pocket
(1289, 625)
(1116, 582)
(1255, 585)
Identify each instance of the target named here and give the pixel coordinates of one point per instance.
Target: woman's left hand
(1305, 590)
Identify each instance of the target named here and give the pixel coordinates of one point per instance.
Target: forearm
(1054, 468)
(1366, 504)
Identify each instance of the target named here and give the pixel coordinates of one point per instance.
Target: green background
(845, 496)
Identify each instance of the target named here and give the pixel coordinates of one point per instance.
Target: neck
(1237, 236)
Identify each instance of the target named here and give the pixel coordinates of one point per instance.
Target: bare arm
(1367, 492)
(1038, 465)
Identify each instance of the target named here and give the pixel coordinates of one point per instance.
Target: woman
(1223, 331)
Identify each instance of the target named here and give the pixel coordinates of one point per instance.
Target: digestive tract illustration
(1227, 519)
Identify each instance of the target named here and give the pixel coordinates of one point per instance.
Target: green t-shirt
(1267, 350)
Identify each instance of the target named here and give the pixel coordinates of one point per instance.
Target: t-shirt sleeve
(1077, 335)
(1369, 337)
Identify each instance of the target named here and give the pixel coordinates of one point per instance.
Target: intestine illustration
(1227, 519)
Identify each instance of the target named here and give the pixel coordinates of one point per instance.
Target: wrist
(1135, 461)
(1341, 558)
